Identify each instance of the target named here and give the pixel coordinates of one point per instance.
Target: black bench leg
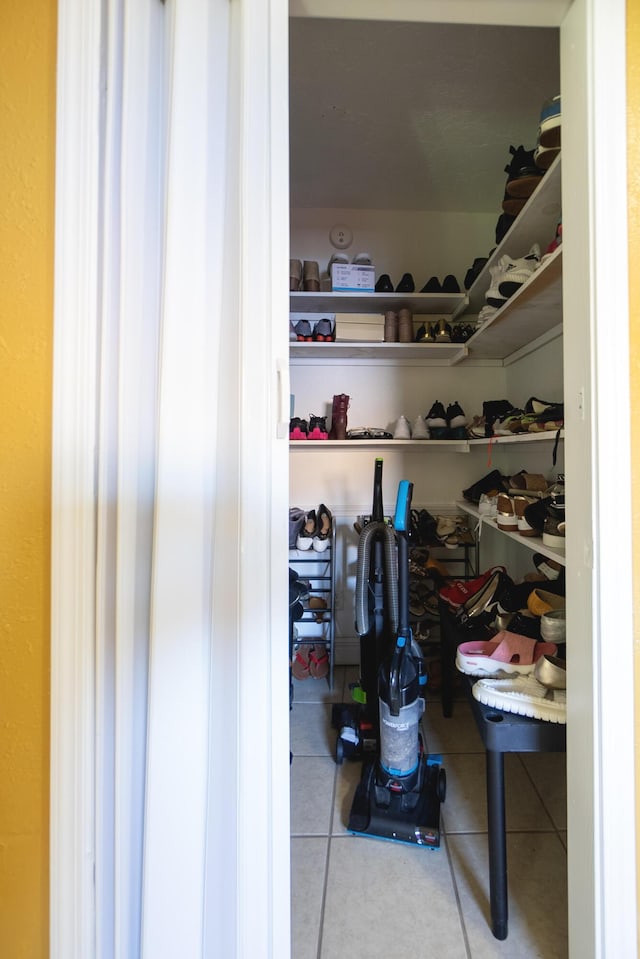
(497, 844)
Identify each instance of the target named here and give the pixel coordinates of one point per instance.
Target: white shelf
(536, 223)
(450, 446)
(421, 304)
(534, 310)
(534, 543)
(548, 435)
(438, 354)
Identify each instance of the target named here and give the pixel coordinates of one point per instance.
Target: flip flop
(318, 662)
(300, 666)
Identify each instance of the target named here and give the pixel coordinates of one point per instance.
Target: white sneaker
(420, 430)
(402, 430)
(523, 695)
(517, 272)
(493, 296)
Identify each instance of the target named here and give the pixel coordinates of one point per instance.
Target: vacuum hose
(386, 534)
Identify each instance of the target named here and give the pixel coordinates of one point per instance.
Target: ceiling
(412, 116)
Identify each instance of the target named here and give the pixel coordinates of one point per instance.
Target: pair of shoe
(505, 654)
(323, 331)
(315, 532)
(310, 661)
(314, 429)
(453, 531)
(398, 327)
(475, 270)
(438, 332)
(448, 285)
(402, 430)
(549, 133)
(546, 517)
(384, 284)
(523, 176)
(304, 276)
(508, 275)
(449, 425)
(541, 695)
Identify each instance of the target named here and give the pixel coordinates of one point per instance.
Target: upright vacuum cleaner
(401, 788)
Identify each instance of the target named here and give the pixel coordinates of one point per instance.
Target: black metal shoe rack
(319, 570)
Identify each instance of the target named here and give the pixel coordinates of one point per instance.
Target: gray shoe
(551, 672)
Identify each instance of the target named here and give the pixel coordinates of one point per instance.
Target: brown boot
(338, 429)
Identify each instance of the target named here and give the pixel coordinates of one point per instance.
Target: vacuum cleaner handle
(377, 511)
(402, 518)
(402, 524)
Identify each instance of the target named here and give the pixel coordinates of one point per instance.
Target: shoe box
(353, 278)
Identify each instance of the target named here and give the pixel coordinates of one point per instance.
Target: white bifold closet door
(170, 761)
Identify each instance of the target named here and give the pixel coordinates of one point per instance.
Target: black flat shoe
(384, 284)
(406, 284)
(432, 286)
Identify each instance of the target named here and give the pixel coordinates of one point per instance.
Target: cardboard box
(352, 278)
(359, 328)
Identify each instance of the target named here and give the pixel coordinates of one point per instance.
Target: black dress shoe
(450, 284)
(406, 284)
(432, 286)
(384, 284)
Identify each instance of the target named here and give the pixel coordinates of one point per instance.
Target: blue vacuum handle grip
(403, 506)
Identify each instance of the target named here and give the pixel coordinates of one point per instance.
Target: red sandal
(318, 662)
(300, 666)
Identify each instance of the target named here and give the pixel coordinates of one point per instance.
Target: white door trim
(72, 850)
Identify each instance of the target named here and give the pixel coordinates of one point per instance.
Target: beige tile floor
(361, 898)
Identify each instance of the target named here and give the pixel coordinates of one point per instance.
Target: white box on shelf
(352, 278)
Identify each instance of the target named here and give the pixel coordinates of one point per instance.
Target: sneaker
(437, 422)
(553, 531)
(318, 428)
(523, 176)
(436, 417)
(523, 695)
(549, 131)
(324, 331)
(517, 272)
(303, 331)
(402, 430)
(420, 430)
(298, 429)
(456, 416)
(457, 422)
(493, 296)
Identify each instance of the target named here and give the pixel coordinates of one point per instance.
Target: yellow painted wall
(27, 150)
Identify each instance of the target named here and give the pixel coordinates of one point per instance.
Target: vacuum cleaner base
(409, 817)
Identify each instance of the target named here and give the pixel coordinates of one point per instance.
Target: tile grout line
(456, 893)
(326, 865)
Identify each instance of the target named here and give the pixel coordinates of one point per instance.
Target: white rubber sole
(523, 695)
(555, 542)
(482, 666)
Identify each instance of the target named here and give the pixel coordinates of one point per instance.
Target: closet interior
(400, 133)
(399, 138)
